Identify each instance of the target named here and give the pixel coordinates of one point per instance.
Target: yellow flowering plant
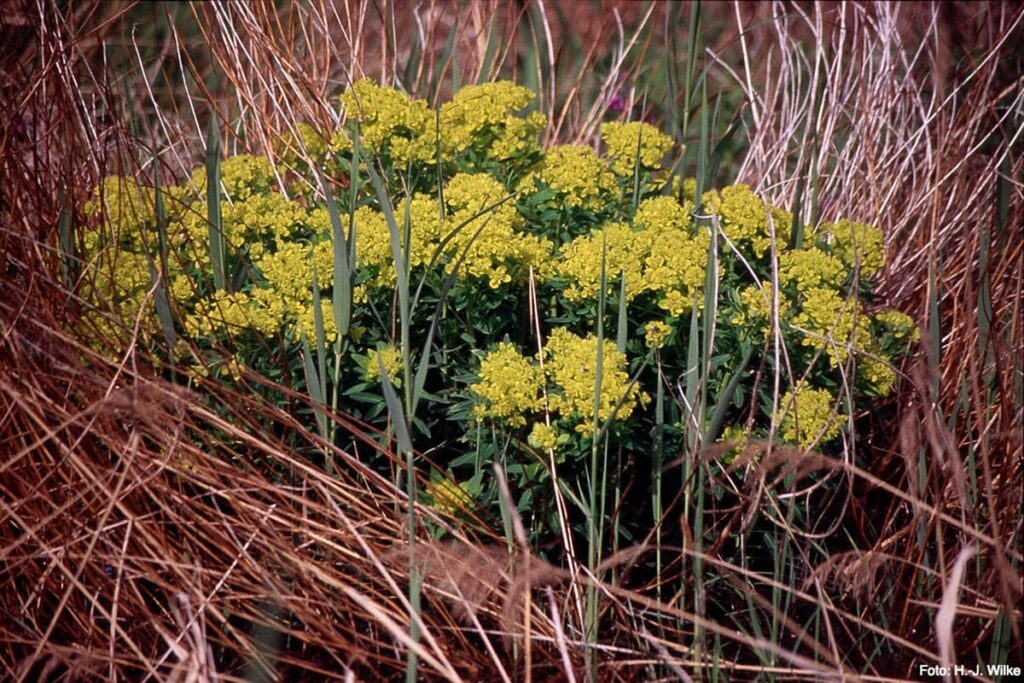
(446, 224)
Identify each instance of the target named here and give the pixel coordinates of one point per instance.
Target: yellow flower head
(543, 437)
(289, 270)
(744, 218)
(390, 120)
(241, 176)
(879, 375)
(306, 322)
(856, 244)
(125, 207)
(572, 363)
(494, 247)
(304, 141)
(663, 214)
(674, 267)
(373, 238)
(577, 173)
(222, 311)
(656, 334)
(392, 360)
(810, 268)
(259, 219)
(624, 252)
(661, 257)
(484, 116)
(756, 308)
(807, 416)
(449, 497)
(835, 324)
(901, 325)
(622, 140)
(739, 437)
(509, 385)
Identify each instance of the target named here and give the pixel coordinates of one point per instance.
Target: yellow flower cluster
(495, 249)
(744, 219)
(810, 268)
(373, 238)
(389, 120)
(756, 307)
(657, 333)
(241, 176)
(674, 267)
(284, 298)
(879, 375)
(624, 252)
(876, 369)
(304, 140)
(660, 257)
(622, 140)
(449, 497)
(233, 312)
(492, 242)
(856, 244)
(122, 279)
(577, 173)
(258, 220)
(392, 360)
(835, 324)
(289, 270)
(124, 206)
(663, 214)
(305, 322)
(807, 417)
(510, 386)
(738, 437)
(543, 437)
(571, 363)
(115, 251)
(484, 117)
(901, 325)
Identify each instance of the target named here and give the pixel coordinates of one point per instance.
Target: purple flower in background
(617, 105)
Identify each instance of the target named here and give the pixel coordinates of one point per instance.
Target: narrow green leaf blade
(395, 409)
(341, 303)
(213, 211)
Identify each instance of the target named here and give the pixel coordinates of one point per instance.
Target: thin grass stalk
(594, 514)
(658, 453)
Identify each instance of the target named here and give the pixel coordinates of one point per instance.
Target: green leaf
(398, 259)
(395, 409)
(66, 237)
(341, 303)
(724, 401)
(213, 214)
(623, 330)
(159, 280)
(313, 386)
(692, 374)
(318, 329)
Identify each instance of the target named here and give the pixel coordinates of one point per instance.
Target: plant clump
(488, 231)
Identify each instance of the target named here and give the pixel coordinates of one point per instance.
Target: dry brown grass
(141, 536)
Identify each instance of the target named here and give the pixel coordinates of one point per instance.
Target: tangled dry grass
(143, 537)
